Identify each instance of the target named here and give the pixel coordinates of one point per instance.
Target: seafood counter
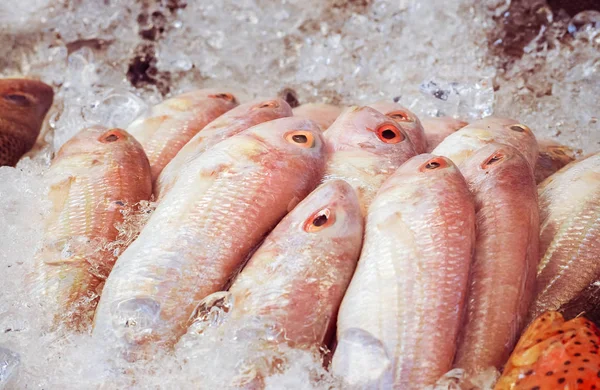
(404, 253)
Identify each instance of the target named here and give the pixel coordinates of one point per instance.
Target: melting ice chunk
(9, 364)
(362, 361)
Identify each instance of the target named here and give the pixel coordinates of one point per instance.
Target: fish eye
(319, 221)
(225, 96)
(269, 104)
(519, 128)
(304, 139)
(111, 136)
(390, 134)
(17, 98)
(399, 116)
(434, 163)
(493, 159)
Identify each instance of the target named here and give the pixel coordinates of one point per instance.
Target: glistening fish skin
(227, 125)
(407, 120)
(364, 148)
(554, 354)
(322, 113)
(466, 141)
(205, 226)
(169, 125)
(552, 157)
(503, 271)
(298, 276)
(93, 176)
(569, 235)
(23, 106)
(399, 320)
(438, 128)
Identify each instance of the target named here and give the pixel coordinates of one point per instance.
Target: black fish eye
(16, 98)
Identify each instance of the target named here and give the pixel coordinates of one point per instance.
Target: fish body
(399, 320)
(94, 175)
(169, 125)
(227, 125)
(23, 106)
(552, 157)
(407, 120)
(569, 234)
(554, 354)
(221, 207)
(438, 128)
(322, 113)
(461, 144)
(298, 276)
(364, 148)
(504, 266)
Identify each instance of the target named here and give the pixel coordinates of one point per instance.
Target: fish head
(554, 354)
(505, 131)
(256, 111)
(95, 140)
(287, 136)
(25, 101)
(404, 117)
(330, 214)
(493, 159)
(367, 130)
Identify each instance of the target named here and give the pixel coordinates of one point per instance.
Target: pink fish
(169, 125)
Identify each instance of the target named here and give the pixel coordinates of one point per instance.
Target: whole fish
(552, 157)
(227, 125)
(504, 266)
(463, 143)
(23, 106)
(405, 119)
(554, 354)
(94, 175)
(569, 235)
(365, 147)
(298, 276)
(438, 128)
(322, 113)
(399, 320)
(169, 125)
(219, 209)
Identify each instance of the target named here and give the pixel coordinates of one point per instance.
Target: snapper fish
(169, 125)
(407, 120)
(227, 125)
(364, 148)
(92, 178)
(398, 322)
(220, 208)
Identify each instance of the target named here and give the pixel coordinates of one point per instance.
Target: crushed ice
(109, 61)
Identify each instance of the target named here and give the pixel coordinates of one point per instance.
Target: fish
(503, 271)
(554, 354)
(322, 113)
(406, 119)
(23, 106)
(552, 157)
(364, 148)
(227, 125)
(93, 177)
(169, 125)
(201, 231)
(569, 234)
(398, 323)
(438, 128)
(298, 276)
(461, 144)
